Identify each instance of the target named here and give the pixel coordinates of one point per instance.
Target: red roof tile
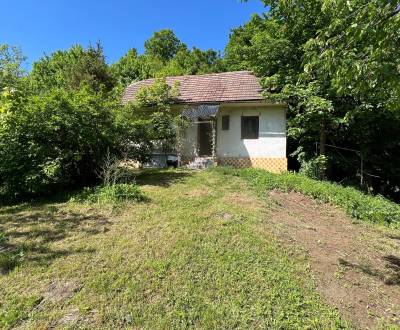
(208, 88)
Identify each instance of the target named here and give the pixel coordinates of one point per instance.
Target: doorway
(205, 137)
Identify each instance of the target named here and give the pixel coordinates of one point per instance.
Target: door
(204, 138)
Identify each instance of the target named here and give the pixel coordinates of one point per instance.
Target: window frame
(225, 119)
(249, 136)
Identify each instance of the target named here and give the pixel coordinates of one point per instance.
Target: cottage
(231, 123)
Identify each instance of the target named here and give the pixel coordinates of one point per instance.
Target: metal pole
(362, 171)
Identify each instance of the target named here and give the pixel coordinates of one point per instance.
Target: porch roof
(201, 111)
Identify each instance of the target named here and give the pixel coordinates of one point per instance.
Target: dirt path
(356, 266)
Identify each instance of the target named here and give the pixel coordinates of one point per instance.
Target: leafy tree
(163, 44)
(154, 103)
(12, 77)
(128, 68)
(72, 69)
(57, 133)
(195, 61)
(11, 71)
(334, 63)
(153, 106)
(54, 140)
(59, 122)
(165, 55)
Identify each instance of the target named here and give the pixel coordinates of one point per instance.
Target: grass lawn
(194, 254)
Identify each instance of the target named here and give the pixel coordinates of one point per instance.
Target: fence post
(362, 170)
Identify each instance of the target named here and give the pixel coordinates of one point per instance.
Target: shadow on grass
(393, 263)
(394, 237)
(31, 229)
(390, 276)
(160, 177)
(153, 177)
(38, 200)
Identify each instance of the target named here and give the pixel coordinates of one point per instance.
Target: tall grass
(9, 258)
(111, 194)
(376, 209)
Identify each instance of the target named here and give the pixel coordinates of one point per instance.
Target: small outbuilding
(231, 123)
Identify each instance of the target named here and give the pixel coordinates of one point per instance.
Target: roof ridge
(192, 75)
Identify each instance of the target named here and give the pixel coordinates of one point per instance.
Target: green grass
(375, 209)
(195, 255)
(113, 194)
(8, 258)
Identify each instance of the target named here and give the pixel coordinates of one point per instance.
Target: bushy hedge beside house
(54, 140)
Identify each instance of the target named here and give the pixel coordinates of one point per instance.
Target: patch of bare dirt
(356, 266)
(59, 291)
(73, 317)
(242, 200)
(70, 318)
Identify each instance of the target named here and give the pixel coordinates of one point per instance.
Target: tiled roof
(208, 88)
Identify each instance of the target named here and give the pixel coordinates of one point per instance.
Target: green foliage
(158, 96)
(71, 70)
(153, 103)
(336, 65)
(374, 209)
(20, 307)
(8, 261)
(315, 168)
(165, 55)
(163, 44)
(128, 68)
(11, 59)
(111, 194)
(193, 61)
(3, 238)
(58, 123)
(57, 128)
(55, 140)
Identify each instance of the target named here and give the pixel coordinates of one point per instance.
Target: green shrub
(315, 168)
(361, 206)
(53, 141)
(112, 194)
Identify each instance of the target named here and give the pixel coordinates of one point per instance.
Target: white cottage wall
(272, 133)
(268, 151)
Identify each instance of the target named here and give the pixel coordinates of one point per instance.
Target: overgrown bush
(54, 140)
(58, 122)
(361, 206)
(118, 184)
(315, 168)
(112, 194)
(119, 192)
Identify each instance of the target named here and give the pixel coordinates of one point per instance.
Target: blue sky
(42, 26)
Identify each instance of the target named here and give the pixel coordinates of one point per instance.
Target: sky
(40, 27)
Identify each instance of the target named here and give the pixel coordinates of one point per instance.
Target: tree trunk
(322, 139)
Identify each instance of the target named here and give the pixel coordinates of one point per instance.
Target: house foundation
(275, 165)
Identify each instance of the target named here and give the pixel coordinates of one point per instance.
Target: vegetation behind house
(334, 63)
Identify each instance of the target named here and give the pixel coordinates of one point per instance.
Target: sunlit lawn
(194, 255)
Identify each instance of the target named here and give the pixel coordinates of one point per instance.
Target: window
(225, 123)
(250, 127)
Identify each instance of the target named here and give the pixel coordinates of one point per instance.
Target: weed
(112, 194)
